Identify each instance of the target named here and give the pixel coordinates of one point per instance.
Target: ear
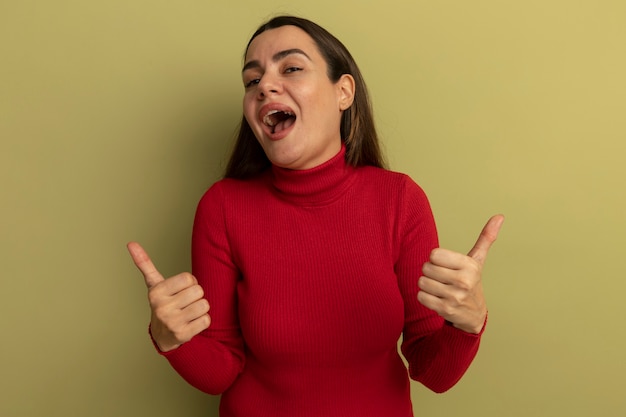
(345, 89)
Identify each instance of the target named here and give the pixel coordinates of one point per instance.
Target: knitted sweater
(312, 279)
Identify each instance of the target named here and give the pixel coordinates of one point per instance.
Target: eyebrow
(277, 57)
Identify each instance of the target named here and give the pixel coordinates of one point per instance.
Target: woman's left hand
(451, 283)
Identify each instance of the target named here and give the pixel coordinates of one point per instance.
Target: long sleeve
(213, 359)
(438, 354)
(312, 277)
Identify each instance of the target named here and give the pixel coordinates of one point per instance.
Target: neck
(315, 186)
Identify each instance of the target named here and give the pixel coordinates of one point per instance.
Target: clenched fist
(451, 283)
(179, 309)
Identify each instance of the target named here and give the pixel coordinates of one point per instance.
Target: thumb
(145, 265)
(488, 235)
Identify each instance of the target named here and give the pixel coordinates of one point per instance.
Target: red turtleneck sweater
(312, 278)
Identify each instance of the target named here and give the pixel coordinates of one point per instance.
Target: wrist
(476, 328)
(158, 344)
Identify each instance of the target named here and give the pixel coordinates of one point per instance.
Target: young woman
(312, 258)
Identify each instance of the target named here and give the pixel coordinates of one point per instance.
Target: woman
(312, 258)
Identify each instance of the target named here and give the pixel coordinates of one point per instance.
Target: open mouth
(279, 120)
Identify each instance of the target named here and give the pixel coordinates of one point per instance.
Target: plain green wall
(115, 116)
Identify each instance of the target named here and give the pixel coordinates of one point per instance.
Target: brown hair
(357, 122)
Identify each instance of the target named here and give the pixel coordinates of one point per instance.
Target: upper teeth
(270, 121)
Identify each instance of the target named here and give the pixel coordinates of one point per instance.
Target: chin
(285, 162)
(282, 153)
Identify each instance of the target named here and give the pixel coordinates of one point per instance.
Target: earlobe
(346, 87)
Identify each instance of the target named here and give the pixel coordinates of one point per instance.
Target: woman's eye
(252, 83)
(292, 69)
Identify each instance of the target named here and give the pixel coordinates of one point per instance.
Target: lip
(264, 110)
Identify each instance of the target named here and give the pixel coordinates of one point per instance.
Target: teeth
(267, 119)
(271, 121)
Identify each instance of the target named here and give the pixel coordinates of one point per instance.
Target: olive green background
(115, 116)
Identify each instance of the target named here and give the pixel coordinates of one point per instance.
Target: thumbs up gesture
(451, 283)
(179, 309)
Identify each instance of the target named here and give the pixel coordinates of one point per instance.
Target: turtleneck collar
(316, 186)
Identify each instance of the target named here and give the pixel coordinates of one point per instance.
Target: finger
(186, 332)
(433, 287)
(177, 283)
(198, 325)
(446, 258)
(488, 235)
(430, 301)
(453, 274)
(141, 259)
(196, 309)
(185, 296)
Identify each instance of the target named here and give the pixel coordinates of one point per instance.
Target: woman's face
(290, 103)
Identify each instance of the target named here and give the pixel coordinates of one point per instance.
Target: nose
(268, 85)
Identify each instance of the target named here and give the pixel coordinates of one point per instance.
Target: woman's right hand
(179, 309)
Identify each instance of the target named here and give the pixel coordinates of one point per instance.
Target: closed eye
(252, 83)
(256, 81)
(292, 69)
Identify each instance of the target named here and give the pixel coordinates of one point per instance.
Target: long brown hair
(357, 123)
